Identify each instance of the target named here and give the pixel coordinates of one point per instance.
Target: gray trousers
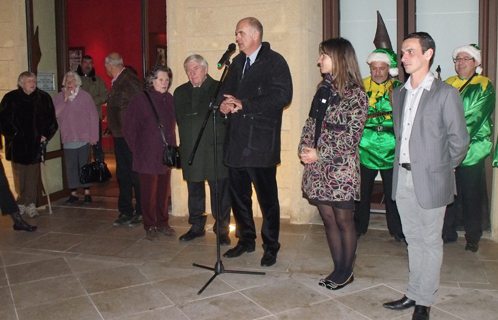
(75, 159)
(26, 182)
(423, 230)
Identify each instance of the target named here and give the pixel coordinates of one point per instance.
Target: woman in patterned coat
(329, 151)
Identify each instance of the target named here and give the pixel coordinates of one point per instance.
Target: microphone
(227, 54)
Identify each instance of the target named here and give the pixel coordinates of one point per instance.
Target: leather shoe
(225, 240)
(421, 313)
(401, 304)
(472, 246)
(269, 259)
(448, 240)
(237, 251)
(192, 235)
(399, 238)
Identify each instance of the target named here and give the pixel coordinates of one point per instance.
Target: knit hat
(387, 56)
(474, 51)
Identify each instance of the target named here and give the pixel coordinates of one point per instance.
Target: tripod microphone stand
(218, 267)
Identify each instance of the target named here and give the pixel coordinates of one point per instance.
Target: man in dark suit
(124, 85)
(431, 141)
(191, 105)
(257, 88)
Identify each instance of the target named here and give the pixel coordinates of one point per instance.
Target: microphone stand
(218, 267)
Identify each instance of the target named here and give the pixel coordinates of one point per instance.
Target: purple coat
(142, 134)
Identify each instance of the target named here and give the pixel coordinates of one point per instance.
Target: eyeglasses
(465, 59)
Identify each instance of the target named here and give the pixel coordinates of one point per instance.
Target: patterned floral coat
(336, 174)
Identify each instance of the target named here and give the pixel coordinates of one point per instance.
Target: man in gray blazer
(431, 141)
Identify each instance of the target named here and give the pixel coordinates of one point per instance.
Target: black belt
(381, 129)
(407, 166)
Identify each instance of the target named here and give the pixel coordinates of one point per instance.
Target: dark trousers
(156, 190)
(26, 182)
(8, 204)
(127, 179)
(362, 209)
(471, 203)
(197, 205)
(265, 184)
(98, 153)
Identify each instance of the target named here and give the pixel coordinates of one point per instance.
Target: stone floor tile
(288, 228)
(463, 271)
(147, 250)
(382, 247)
(33, 293)
(472, 305)
(105, 246)
(112, 278)
(125, 232)
(6, 303)
(283, 295)
(314, 242)
(37, 270)
(488, 250)
(79, 265)
(80, 308)
(170, 313)
(158, 270)
(227, 306)
(118, 303)
(393, 267)
(56, 241)
(50, 223)
(245, 281)
(86, 227)
(329, 309)
(316, 262)
(369, 302)
(184, 289)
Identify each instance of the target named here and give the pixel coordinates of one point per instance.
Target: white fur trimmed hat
(474, 51)
(387, 56)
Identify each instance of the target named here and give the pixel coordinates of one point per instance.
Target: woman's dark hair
(152, 75)
(345, 69)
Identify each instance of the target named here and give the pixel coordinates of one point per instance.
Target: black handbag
(96, 171)
(171, 155)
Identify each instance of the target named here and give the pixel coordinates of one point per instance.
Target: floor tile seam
(54, 301)
(43, 279)
(85, 208)
(434, 306)
(151, 283)
(256, 303)
(348, 307)
(27, 262)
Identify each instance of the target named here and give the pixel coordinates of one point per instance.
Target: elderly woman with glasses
(142, 135)
(78, 121)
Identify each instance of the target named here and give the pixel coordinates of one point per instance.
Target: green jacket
(96, 87)
(478, 103)
(377, 143)
(191, 107)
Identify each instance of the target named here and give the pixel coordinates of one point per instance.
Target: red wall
(107, 26)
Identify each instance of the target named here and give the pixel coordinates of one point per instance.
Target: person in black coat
(257, 88)
(27, 118)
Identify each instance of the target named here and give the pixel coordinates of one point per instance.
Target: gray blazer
(438, 143)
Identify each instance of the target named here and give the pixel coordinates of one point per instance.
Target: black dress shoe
(225, 240)
(399, 238)
(421, 313)
(331, 285)
(472, 246)
(237, 251)
(448, 240)
(401, 304)
(269, 259)
(24, 226)
(192, 235)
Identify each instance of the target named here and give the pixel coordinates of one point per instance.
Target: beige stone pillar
(294, 29)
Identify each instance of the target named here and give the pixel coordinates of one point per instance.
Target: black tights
(341, 237)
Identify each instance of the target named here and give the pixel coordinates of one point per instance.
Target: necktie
(247, 66)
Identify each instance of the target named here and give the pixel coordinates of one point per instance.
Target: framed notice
(75, 56)
(160, 55)
(45, 81)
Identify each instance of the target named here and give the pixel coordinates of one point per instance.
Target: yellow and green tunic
(377, 143)
(478, 103)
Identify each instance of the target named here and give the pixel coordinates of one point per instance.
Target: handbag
(96, 171)
(171, 155)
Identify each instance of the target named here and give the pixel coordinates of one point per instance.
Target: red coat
(142, 134)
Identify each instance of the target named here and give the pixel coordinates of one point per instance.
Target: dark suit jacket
(438, 143)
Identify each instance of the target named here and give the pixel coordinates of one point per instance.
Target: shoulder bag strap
(159, 125)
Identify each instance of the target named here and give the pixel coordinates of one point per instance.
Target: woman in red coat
(144, 139)
(329, 151)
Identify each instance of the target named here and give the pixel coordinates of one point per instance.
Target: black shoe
(136, 220)
(421, 313)
(269, 259)
(359, 234)
(167, 231)
(192, 235)
(329, 284)
(88, 199)
(399, 238)
(472, 246)
(448, 240)
(237, 251)
(72, 199)
(401, 304)
(225, 240)
(342, 285)
(122, 219)
(20, 224)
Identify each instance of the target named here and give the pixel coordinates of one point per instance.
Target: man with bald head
(256, 90)
(124, 85)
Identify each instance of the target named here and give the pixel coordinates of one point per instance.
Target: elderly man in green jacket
(191, 105)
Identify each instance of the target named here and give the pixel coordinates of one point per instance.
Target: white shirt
(412, 100)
